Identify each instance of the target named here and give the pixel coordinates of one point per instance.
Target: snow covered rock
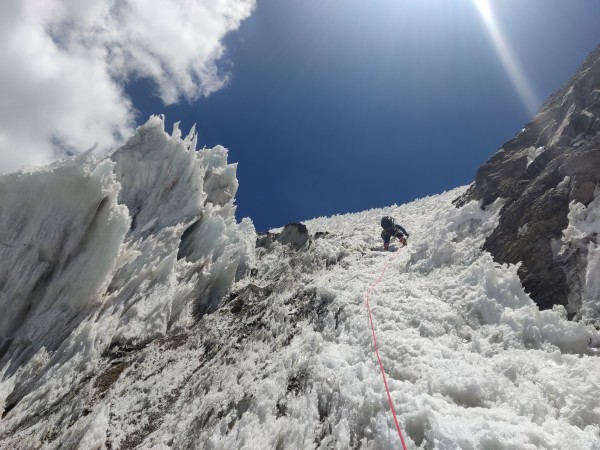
(578, 250)
(552, 162)
(294, 234)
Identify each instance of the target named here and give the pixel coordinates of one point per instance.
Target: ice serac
(553, 162)
(112, 253)
(61, 228)
(183, 229)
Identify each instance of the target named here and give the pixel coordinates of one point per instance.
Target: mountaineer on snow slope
(392, 230)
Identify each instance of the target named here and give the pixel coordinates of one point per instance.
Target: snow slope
(182, 334)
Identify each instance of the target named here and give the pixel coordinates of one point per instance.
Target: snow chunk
(579, 248)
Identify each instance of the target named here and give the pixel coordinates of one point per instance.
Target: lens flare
(508, 59)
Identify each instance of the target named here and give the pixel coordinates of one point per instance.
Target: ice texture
(110, 253)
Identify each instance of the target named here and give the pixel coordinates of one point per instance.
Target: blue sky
(342, 105)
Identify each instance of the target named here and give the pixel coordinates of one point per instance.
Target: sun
(507, 57)
(484, 8)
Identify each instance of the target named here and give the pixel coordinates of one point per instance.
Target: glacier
(136, 312)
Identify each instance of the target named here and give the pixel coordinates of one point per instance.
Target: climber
(392, 230)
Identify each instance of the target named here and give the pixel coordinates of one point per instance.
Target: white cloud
(63, 65)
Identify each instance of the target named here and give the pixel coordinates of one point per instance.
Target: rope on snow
(387, 390)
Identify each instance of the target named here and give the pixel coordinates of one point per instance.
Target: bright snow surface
(285, 359)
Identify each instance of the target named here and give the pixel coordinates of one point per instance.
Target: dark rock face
(294, 234)
(553, 161)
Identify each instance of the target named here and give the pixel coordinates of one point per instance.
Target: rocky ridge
(553, 161)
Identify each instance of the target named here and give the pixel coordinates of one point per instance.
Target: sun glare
(483, 6)
(508, 59)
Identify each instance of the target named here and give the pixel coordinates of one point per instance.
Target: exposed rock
(294, 234)
(553, 161)
(265, 240)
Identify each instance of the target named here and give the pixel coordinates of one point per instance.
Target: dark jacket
(396, 231)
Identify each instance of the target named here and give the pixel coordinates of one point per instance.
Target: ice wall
(61, 229)
(184, 248)
(102, 253)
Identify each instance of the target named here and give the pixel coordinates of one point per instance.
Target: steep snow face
(112, 253)
(285, 359)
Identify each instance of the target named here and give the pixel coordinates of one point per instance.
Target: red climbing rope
(396, 253)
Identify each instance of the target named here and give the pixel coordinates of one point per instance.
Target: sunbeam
(508, 59)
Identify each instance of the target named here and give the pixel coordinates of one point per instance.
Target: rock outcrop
(553, 161)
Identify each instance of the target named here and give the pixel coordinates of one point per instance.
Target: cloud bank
(64, 65)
